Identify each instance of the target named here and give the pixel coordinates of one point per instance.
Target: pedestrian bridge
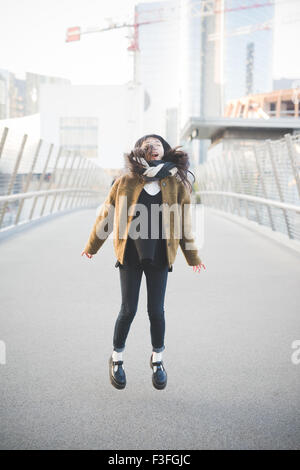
(232, 331)
(232, 354)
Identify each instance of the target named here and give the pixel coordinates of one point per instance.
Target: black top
(147, 251)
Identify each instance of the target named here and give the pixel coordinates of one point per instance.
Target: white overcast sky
(32, 38)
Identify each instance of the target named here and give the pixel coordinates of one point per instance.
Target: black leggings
(156, 281)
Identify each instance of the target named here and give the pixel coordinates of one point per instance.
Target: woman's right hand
(86, 254)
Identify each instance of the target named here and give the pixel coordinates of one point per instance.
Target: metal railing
(38, 179)
(258, 181)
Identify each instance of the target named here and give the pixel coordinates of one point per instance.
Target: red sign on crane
(73, 34)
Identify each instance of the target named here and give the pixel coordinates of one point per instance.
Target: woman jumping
(155, 178)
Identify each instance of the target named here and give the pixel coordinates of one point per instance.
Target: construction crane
(74, 34)
(202, 8)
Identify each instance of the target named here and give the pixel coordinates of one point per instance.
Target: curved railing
(258, 181)
(38, 179)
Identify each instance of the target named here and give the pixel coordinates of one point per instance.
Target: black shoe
(118, 377)
(159, 378)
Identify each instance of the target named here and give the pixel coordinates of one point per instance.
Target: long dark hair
(179, 157)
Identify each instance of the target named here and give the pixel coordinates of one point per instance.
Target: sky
(286, 59)
(32, 39)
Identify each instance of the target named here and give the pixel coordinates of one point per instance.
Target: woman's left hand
(198, 267)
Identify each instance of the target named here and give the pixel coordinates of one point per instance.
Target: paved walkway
(229, 330)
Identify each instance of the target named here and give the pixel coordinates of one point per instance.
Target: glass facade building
(158, 63)
(248, 57)
(225, 53)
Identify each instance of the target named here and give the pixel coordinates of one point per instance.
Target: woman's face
(157, 151)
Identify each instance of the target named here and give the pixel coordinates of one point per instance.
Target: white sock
(116, 356)
(156, 357)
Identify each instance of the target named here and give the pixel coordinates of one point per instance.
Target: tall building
(157, 63)
(248, 48)
(200, 69)
(225, 53)
(200, 62)
(190, 89)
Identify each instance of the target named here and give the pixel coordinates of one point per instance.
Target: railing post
(261, 174)
(75, 181)
(210, 183)
(89, 179)
(241, 160)
(86, 172)
(60, 179)
(248, 173)
(13, 177)
(81, 176)
(228, 179)
(53, 174)
(2, 143)
(93, 182)
(271, 154)
(293, 160)
(235, 201)
(68, 179)
(41, 180)
(213, 183)
(216, 182)
(3, 140)
(204, 183)
(239, 177)
(201, 182)
(28, 179)
(219, 175)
